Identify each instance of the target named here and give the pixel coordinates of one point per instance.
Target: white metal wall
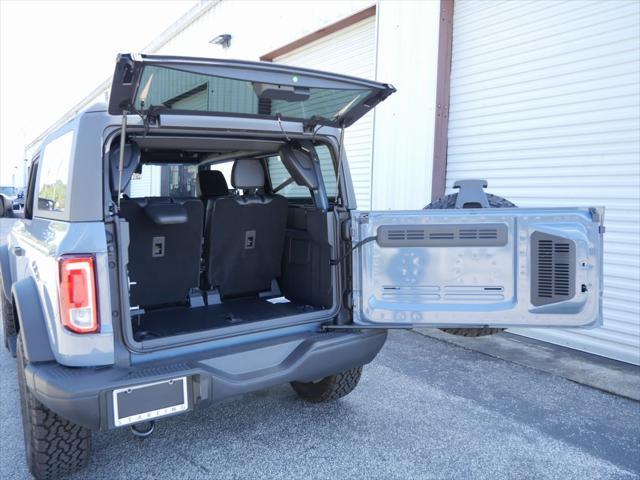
(147, 184)
(267, 26)
(257, 27)
(404, 123)
(545, 104)
(350, 51)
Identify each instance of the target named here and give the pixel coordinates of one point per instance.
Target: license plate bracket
(141, 403)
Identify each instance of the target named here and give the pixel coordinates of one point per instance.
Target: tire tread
(329, 388)
(54, 446)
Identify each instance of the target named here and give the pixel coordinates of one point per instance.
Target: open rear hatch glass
(180, 85)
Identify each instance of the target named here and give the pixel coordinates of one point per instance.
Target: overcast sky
(53, 53)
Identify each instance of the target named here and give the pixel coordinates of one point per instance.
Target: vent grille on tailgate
(553, 269)
(489, 234)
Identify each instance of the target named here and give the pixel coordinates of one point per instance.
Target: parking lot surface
(424, 409)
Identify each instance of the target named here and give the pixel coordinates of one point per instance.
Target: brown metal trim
(323, 32)
(441, 133)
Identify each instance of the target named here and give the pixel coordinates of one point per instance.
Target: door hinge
(347, 300)
(153, 118)
(346, 230)
(596, 216)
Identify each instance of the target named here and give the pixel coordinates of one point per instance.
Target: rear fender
(33, 327)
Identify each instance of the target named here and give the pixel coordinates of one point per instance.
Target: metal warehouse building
(541, 98)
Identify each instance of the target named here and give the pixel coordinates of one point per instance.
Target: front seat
(212, 185)
(245, 235)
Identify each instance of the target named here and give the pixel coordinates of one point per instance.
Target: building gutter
(320, 33)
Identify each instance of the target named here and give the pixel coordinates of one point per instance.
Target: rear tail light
(78, 309)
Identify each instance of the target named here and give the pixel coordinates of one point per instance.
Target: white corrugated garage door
(147, 184)
(350, 51)
(545, 104)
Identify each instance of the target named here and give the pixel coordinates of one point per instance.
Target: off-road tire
(9, 328)
(329, 388)
(54, 446)
(473, 332)
(449, 201)
(2, 208)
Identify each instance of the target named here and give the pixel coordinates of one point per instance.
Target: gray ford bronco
(197, 238)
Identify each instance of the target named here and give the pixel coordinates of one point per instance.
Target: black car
(10, 199)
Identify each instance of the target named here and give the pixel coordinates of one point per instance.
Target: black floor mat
(179, 320)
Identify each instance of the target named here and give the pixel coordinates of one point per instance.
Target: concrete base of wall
(611, 376)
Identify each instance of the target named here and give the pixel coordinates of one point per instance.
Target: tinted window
(176, 180)
(54, 176)
(171, 89)
(28, 201)
(173, 180)
(179, 181)
(279, 174)
(328, 170)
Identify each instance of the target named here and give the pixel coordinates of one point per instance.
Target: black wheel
(9, 326)
(54, 446)
(2, 209)
(329, 388)
(449, 201)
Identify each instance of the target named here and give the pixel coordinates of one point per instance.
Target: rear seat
(245, 235)
(165, 236)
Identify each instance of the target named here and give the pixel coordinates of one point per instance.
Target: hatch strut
(123, 132)
(338, 176)
(282, 128)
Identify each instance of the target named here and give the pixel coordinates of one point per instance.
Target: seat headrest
(166, 213)
(247, 174)
(212, 183)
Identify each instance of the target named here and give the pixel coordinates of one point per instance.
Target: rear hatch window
(183, 91)
(182, 85)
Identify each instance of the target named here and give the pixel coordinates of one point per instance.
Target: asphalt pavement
(424, 409)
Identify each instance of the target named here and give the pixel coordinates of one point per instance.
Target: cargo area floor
(167, 322)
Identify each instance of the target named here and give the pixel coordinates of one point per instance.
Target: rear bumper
(84, 395)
